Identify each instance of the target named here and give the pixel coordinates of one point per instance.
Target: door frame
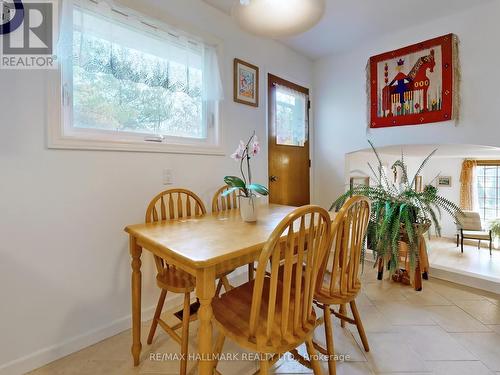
(274, 79)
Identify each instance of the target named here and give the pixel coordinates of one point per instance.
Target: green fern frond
(424, 163)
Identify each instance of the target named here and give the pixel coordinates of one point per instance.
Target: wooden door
(288, 142)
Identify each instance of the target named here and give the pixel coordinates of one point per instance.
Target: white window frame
(482, 211)
(62, 134)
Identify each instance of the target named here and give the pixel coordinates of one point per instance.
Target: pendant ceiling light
(278, 18)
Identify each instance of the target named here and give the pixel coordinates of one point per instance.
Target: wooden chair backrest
(302, 238)
(343, 261)
(220, 203)
(170, 205)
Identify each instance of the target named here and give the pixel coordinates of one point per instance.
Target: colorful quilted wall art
(415, 85)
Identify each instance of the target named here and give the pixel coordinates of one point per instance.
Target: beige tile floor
(444, 330)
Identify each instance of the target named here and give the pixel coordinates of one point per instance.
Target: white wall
(64, 263)
(446, 167)
(340, 105)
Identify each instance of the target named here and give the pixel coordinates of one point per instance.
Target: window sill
(73, 143)
(58, 139)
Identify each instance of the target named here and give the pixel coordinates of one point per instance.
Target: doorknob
(273, 178)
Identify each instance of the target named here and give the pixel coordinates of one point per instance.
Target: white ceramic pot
(249, 208)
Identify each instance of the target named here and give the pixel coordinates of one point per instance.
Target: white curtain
(294, 127)
(212, 85)
(65, 36)
(136, 48)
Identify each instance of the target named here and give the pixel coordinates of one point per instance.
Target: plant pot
(248, 208)
(419, 228)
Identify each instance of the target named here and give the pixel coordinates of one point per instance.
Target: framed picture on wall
(359, 181)
(246, 83)
(444, 181)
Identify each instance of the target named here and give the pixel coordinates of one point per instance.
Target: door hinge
(308, 104)
(309, 163)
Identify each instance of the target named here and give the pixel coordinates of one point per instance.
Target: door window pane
(291, 117)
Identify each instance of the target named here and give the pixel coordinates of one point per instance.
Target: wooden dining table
(203, 246)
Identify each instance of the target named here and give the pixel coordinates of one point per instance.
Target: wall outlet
(168, 177)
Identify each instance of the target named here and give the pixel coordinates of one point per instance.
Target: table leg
(135, 252)
(250, 271)
(380, 274)
(418, 277)
(205, 291)
(424, 259)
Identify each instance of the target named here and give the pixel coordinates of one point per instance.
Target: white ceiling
(348, 22)
(223, 5)
(443, 151)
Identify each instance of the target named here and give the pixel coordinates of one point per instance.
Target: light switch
(168, 177)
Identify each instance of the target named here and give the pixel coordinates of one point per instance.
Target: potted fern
(248, 192)
(399, 212)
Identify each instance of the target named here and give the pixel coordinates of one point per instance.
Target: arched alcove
(443, 171)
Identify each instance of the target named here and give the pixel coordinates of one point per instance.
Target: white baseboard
(54, 352)
(51, 353)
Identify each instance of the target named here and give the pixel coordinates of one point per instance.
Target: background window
(127, 80)
(133, 83)
(488, 187)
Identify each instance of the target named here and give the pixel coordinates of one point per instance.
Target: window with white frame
(133, 81)
(488, 191)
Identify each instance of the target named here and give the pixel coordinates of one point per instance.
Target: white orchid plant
(243, 154)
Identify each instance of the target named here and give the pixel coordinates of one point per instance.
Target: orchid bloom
(243, 154)
(238, 154)
(255, 146)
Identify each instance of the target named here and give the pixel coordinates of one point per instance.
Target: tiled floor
(443, 330)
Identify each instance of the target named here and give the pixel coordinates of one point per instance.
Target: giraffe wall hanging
(415, 85)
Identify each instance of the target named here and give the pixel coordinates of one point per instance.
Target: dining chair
(220, 203)
(229, 202)
(171, 205)
(273, 313)
(338, 278)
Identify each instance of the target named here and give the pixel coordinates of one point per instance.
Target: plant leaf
(262, 190)
(419, 170)
(229, 191)
(235, 182)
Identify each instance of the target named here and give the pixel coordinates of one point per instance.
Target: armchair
(469, 227)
